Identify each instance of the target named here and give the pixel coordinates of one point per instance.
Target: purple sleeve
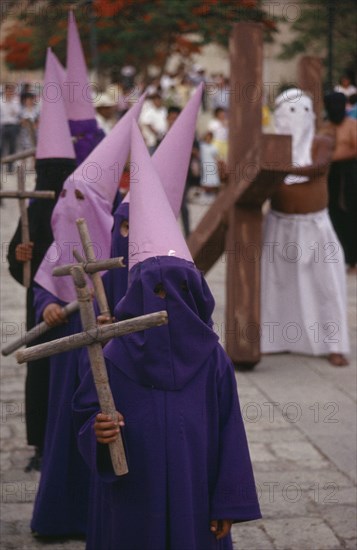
(42, 298)
(235, 494)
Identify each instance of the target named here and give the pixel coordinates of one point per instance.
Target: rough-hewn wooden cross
(90, 336)
(40, 329)
(93, 337)
(232, 225)
(257, 165)
(22, 195)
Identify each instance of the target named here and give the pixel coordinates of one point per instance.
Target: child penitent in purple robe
(190, 475)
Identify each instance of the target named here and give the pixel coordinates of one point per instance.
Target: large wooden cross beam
(257, 165)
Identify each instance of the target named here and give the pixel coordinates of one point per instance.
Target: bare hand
(105, 319)
(23, 252)
(220, 527)
(106, 430)
(53, 315)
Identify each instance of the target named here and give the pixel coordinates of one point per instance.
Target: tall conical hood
(77, 92)
(54, 137)
(88, 193)
(172, 157)
(61, 71)
(103, 168)
(154, 230)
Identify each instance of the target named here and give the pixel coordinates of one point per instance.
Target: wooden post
(309, 79)
(245, 135)
(25, 230)
(91, 257)
(243, 285)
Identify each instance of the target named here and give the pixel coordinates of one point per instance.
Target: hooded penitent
(185, 442)
(153, 241)
(55, 161)
(61, 71)
(116, 280)
(88, 193)
(171, 160)
(294, 115)
(77, 92)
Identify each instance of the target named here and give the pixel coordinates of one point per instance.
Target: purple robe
(185, 441)
(116, 280)
(50, 175)
(61, 505)
(87, 135)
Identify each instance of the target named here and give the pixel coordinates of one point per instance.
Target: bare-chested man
(303, 273)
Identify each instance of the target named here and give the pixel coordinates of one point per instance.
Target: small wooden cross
(21, 194)
(93, 337)
(99, 371)
(43, 327)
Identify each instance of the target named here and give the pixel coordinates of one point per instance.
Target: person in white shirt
(9, 117)
(107, 113)
(345, 86)
(153, 121)
(219, 128)
(210, 180)
(28, 121)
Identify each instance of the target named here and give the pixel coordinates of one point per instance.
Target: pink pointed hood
(77, 90)
(61, 71)
(171, 159)
(54, 136)
(154, 230)
(88, 193)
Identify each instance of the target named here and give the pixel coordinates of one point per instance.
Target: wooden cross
(95, 276)
(99, 371)
(257, 165)
(93, 338)
(43, 327)
(21, 194)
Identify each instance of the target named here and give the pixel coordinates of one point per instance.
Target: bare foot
(338, 360)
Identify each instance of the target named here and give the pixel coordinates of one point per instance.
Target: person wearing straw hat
(107, 112)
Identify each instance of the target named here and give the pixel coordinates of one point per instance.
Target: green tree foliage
(140, 32)
(311, 29)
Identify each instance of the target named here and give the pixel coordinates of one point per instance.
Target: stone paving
(300, 416)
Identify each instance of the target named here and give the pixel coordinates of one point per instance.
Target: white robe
(303, 286)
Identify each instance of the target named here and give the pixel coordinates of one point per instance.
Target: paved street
(300, 416)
